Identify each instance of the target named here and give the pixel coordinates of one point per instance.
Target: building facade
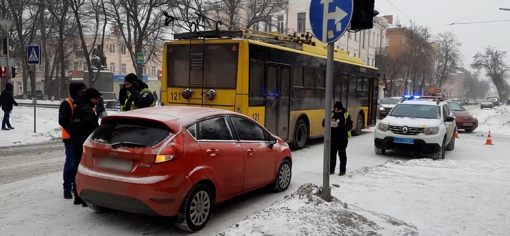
(118, 61)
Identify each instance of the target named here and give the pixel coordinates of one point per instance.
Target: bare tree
(492, 61)
(243, 13)
(140, 27)
(447, 57)
(186, 14)
(25, 15)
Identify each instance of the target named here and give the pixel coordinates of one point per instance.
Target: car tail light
(173, 150)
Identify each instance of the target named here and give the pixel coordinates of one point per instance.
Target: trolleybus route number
(175, 96)
(255, 116)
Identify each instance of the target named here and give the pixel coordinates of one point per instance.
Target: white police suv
(417, 124)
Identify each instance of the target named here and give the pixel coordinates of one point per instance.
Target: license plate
(467, 124)
(114, 164)
(403, 140)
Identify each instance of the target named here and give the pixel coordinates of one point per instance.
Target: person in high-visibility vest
(65, 115)
(135, 94)
(341, 126)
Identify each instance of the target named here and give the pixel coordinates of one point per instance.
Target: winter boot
(68, 194)
(84, 204)
(341, 174)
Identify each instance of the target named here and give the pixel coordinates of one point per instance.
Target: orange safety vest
(65, 134)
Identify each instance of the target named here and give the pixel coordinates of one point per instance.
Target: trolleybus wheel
(301, 133)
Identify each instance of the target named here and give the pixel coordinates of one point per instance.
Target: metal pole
(34, 100)
(326, 188)
(8, 49)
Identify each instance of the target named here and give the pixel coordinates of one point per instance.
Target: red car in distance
(179, 161)
(464, 119)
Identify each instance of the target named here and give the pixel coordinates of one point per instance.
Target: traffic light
(363, 15)
(3, 71)
(13, 71)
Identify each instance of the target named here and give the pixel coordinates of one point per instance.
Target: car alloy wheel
(196, 209)
(284, 176)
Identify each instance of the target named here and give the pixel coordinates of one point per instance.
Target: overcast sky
(434, 14)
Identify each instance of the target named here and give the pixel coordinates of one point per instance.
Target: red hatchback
(179, 161)
(463, 118)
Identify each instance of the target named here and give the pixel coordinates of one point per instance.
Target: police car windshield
(416, 111)
(390, 101)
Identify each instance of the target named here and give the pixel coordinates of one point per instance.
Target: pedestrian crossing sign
(34, 55)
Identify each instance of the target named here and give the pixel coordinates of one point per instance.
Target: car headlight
(382, 127)
(381, 108)
(474, 117)
(431, 130)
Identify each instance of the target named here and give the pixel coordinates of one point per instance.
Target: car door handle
(250, 151)
(212, 152)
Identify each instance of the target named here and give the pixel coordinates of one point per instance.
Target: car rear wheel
(196, 209)
(284, 175)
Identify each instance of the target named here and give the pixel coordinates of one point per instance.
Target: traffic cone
(489, 139)
(456, 134)
(367, 127)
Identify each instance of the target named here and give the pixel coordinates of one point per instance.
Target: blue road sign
(34, 54)
(329, 19)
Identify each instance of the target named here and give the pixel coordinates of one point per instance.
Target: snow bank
(464, 197)
(22, 120)
(499, 117)
(304, 213)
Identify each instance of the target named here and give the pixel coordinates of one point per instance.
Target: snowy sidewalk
(463, 197)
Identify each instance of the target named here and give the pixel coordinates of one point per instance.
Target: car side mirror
(271, 141)
(449, 119)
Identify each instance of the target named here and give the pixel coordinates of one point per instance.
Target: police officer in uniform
(341, 126)
(135, 94)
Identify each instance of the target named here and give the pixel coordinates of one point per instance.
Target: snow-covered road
(31, 200)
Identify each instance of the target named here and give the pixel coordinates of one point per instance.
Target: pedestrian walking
(65, 115)
(7, 102)
(341, 126)
(84, 122)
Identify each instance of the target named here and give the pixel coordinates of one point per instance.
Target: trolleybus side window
(309, 78)
(297, 76)
(320, 90)
(352, 91)
(256, 82)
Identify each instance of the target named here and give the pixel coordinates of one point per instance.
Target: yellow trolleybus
(279, 84)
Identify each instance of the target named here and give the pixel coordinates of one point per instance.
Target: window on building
(377, 41)
(301, 22)
(112, 48)
(85, 66)
(281, 25)
(267, 24)
(123, 49)
(354, 54)
(75, 65)
(349, 53)
(144, 70)
(349, 35)
(373, 39)
(112, 67)
(153, 71)
(255, 26)
(123, 68)
(356, 36)
(362, 38)
(387, 41)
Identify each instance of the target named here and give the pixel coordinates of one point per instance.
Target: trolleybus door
(374, 96)
(277, 89)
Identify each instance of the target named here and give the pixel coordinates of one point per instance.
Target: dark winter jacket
(141, 100)
(83, 123)
(340, 132)
(7, 98)
(100, 107)
(65, 113)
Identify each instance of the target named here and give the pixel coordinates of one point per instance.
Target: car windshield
(416, 111)
(455, 106)
(390, 101)
(130, 133)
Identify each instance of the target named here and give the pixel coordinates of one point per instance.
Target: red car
(179, 161)
(464, 119)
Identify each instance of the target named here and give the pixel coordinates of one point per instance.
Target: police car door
(450, 128)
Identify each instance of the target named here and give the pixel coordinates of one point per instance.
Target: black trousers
(77, 152)
(338, 146)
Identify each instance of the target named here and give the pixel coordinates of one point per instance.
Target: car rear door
(260, 159)
(222, 154)
(450, 126)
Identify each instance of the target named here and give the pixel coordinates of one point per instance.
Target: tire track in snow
(21, 167)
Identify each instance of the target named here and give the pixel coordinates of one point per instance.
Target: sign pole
(326, 189)
(34, 93)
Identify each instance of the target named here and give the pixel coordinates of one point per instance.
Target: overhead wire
(472, 14)
(401, 11)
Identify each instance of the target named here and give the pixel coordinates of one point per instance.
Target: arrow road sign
(329, 19)
(34, 55)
